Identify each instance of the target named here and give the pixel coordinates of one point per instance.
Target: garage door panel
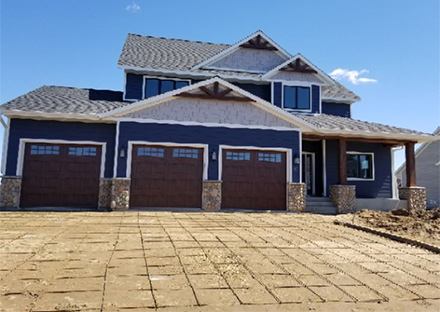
(253, 179)
(166, 176)
(60, 175)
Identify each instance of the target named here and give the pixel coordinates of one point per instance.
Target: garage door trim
(168, 144)
(21, 151)
(288, 152)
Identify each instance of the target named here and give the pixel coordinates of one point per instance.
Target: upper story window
(360, 166)
(296, 98)
(156, 86)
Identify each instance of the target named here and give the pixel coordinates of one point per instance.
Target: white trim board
(373, 169)
(21, 151)
(5, 144)
(288, 152)
(205, 148)
(324, 167)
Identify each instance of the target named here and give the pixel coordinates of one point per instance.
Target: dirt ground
(423, 226)
(194, 261)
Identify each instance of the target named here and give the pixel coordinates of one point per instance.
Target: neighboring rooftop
(146, 52)
(65, 100)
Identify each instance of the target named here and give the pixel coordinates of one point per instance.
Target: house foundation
(296, 197)
(212, 195)
(10, 192)
(343, 198)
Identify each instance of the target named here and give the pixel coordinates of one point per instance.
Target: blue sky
(77, 43)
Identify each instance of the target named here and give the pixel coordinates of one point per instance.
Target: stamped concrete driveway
(171, 261)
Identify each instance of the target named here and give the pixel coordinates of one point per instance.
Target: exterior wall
(427, 173)
(249, 59)
(337, 109)
(56, 130)
(382, 184)
(292, 76)
(133, 86)
(188, 109)
(262, 91)
(316, 102)
(213, 136)
(277, 94)
(315, 147)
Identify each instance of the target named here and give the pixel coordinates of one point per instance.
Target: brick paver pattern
(96, 261)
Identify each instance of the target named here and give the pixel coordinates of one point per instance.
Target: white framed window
(296, 96)
(360, 166)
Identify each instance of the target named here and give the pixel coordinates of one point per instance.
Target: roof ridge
(177, 39)
(75, 88)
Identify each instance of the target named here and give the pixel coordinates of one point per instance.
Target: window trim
(373, 169)
(296, 84)
(145, 77)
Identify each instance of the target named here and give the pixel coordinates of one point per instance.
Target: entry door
(308, 172)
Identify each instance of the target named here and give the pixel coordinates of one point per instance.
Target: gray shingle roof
(334, 123)
(176, 54)
(54, 99)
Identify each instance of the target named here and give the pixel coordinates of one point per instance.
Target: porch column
(342, 162)
(415, 196)
(410, 164)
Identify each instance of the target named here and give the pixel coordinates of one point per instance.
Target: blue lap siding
(342, 110)
(213, 136)
(382, 184)
(56, 130)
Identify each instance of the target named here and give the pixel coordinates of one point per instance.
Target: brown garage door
(166, 176)
(60, 175)
(253, 179)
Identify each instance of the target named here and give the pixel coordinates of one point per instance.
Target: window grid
(185, 153)
(238, 155)
(269, 157)
(150, 151)
(82, 151)
(45, 150)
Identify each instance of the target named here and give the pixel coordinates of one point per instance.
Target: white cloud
(133, 8)
(351, 75)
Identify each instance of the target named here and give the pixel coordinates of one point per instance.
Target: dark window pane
(238, 156)
(360, 166)
(352, 166)
(181, 84)
(151, 87)
(166, 85)
(303, 98)
(289, 97)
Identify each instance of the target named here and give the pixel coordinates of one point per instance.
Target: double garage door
(60, 175)
(164, 176)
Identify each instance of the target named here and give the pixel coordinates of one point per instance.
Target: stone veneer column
(10, 192)
(296, 197)
(343, 197)
(105, 193)
(415, 197)
(120, 193)
(212, 195)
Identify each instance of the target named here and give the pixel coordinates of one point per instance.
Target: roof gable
(257, 41)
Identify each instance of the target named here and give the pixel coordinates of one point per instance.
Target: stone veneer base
(10, 192)
(343, 198)
(415, 197)
(212, 195)
(120, 193)
(296, 197)
(105, 193)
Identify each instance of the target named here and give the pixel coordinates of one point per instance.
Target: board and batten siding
(213, 136)
(382, 184)
(57, 130)
(133, 86)
(336, 109)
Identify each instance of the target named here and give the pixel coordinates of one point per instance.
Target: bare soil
(423, 226)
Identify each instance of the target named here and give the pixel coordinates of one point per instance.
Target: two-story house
(204, 125)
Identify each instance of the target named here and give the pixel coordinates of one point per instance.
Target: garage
(253, 179)
(60, 175)
(164, 176)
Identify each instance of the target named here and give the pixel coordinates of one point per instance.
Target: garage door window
(269, 157)
(45, 150)
(150, 151)
(82, 151)
(238, 156)
(185, 153)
